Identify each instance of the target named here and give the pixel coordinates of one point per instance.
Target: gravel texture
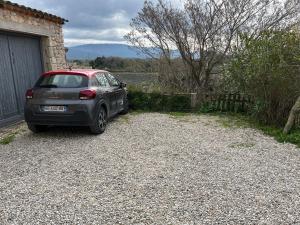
(150, 169)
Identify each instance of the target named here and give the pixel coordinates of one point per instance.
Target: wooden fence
(227, 102)
(234, 103)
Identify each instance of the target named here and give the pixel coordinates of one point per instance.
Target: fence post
(193, 100)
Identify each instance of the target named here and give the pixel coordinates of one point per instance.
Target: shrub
(158, 102)
(267, 68)
(207, 107)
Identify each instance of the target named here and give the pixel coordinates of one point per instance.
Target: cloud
(87, 36)
(91, 21)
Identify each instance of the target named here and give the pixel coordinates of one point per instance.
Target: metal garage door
(20, 66)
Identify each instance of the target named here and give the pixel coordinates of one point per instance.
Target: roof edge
(84, 72)
(33, 12)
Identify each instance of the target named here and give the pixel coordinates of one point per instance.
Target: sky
(90, 21)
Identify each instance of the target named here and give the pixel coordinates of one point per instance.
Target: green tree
(124, 64)
(204, 32)
(268, 68)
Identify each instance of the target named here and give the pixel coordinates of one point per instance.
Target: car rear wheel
(36, 128)
(100, 122)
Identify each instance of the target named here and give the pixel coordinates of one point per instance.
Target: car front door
(118, 91)
(108, 92)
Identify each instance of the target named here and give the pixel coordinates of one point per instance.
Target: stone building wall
(50, 30)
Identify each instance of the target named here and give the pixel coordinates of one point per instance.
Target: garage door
(20, 66)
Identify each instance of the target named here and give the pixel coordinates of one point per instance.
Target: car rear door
(118, 91)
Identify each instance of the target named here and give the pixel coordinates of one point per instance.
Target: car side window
(112, 80)
(94, 82)
(102, 80)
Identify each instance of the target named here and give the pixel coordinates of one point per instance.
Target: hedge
(158, 102)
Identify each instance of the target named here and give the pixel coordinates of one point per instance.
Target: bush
(207, 107)
(158, 102)
(124, 64)
(267, 68)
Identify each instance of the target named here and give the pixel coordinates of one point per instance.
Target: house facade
(31, 42)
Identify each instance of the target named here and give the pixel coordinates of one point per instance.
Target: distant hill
(91, 51)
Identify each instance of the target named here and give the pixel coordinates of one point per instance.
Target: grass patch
(11, 135)
(124, 119)
(7, 139)
(178, 114)
(136, 112)
(173, 114)
(235, 120)
(293, 137)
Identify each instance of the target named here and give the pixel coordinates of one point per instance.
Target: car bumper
(82, 117)
(76, 119)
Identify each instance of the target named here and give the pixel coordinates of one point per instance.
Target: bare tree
(203, 32)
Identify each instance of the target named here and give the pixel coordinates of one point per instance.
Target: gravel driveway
(150, 169)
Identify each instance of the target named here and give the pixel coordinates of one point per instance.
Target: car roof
(85, 72)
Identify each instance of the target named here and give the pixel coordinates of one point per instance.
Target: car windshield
(63, 81)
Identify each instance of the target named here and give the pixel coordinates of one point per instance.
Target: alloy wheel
(102, 120)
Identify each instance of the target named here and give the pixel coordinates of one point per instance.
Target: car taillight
(29, 94)
(87, 94)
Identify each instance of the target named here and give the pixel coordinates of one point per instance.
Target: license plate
(54, 108)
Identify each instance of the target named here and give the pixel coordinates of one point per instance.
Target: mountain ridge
(92, 51)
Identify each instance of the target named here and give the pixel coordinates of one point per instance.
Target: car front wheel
(100, 122)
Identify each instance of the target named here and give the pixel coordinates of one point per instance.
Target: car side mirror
(123, 85)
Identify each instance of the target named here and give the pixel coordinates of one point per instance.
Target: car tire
(36, 128)
(126, 107)
(100, 122)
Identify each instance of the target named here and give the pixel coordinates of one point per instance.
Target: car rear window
(62, 81)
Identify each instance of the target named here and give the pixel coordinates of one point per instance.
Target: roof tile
(34, 12)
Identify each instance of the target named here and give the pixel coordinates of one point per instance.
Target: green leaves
(158, 102)
(268, 68)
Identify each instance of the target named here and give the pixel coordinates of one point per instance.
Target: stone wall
(52, 42)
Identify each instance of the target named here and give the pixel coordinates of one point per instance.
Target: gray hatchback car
(75, 98)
